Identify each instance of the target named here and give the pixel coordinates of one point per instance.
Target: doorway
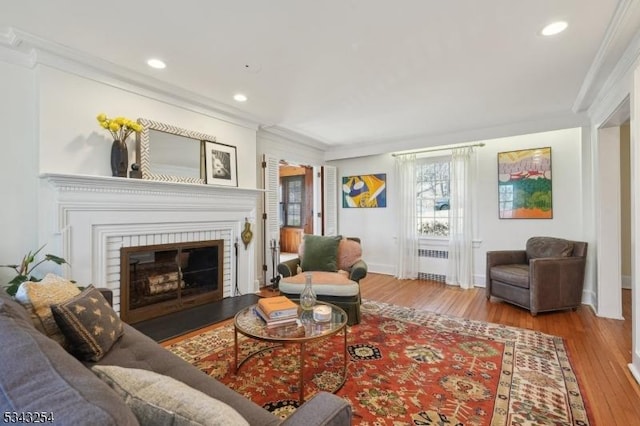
(296, 206)
(614, 221)
(321, 217)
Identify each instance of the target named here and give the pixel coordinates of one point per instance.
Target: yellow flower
(119, 127)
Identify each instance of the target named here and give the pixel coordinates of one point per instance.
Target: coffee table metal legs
(301, 373)
(302, 355)
(344, 356)
(235, 349)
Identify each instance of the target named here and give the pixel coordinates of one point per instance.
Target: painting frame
(364, 191)
(221, 164)
(525, 188)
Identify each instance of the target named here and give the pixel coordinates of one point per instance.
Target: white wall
(72, 142)
(294, 150)
(376, 226)
(635, 214)
(625, 204)
(280, 147)
(18, 166)
(49, 126)
(504, 234)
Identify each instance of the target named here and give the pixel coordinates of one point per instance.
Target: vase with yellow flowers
(120, 128)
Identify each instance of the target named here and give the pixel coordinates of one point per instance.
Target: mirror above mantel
(171, 154)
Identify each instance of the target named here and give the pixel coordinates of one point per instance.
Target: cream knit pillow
(39, 296)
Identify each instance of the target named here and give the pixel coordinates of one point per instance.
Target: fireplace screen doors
(164, 278)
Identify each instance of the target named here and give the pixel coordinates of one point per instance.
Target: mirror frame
(143, 148)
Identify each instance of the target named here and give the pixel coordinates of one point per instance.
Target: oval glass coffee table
(306, 329)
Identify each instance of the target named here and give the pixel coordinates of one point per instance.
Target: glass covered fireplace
(159, 279)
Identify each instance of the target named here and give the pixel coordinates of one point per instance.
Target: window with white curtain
(432, 196)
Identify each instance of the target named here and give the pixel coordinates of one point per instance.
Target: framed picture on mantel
(221, 164)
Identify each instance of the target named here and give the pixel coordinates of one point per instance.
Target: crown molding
(543, 124)
(8, 37)
(54, 55)
(617, 86)
(596, 80)
(9, 44)
(291, 136)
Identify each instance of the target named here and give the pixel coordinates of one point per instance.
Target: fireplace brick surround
(88, 219)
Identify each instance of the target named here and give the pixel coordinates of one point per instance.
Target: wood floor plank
(600, 348)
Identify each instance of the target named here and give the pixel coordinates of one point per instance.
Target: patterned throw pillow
(89, 323)
(37, 298)
(156, 399)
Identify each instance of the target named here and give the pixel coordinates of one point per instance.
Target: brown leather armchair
(547, 276)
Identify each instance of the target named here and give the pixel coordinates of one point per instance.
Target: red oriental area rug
(409, 367)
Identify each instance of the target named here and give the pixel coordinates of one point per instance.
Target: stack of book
(277, 311)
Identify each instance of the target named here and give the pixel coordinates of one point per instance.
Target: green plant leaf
(12, 289)
(18, 279)
(30, 257)
(10, 266)
(24, 270)
(55, 259)
(14, 284)
(38, 251)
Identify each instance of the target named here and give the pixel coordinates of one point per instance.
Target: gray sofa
(38, 378)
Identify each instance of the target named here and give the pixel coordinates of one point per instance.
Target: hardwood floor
(600, 349)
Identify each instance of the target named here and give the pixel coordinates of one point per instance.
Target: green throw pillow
(320, 253)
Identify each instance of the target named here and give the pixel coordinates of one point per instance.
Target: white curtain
(407, 263)
(460, 264)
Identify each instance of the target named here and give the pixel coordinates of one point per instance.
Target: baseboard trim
(479, 281)
(634, 372)
(380, 268)
(589, 298)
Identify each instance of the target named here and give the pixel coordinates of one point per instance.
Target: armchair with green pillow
(337, 268)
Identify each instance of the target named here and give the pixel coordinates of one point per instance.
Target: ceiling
(354, 73)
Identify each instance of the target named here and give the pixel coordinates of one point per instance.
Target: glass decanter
(308, 296)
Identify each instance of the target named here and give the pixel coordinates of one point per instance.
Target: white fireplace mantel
(87, 219)
(116, 185)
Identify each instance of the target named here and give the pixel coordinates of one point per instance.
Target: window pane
(294, 217)
(432, 197)
(293, 198)
(295, 191)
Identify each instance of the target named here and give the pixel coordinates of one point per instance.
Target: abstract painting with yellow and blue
(364, 190)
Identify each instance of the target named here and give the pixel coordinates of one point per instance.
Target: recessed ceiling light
(252, 68)
(554, 28)
(156, 63)
(239, 97)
